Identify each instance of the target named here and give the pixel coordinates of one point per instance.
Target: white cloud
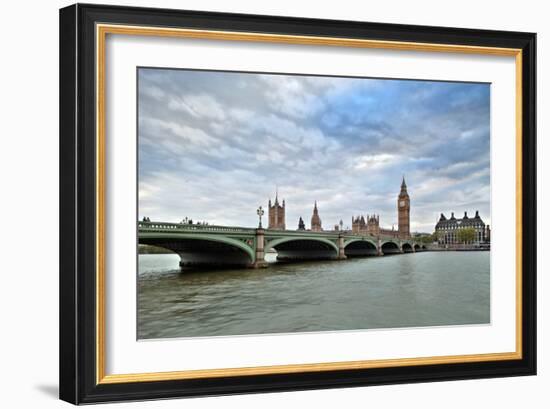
(289, 96)
(375, 161)
(199, 106)
(189, 137)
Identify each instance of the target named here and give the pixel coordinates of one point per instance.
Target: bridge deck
(202, 228)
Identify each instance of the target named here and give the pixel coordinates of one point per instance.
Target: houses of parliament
(360, 224)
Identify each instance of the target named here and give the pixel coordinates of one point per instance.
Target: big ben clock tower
(404, 211)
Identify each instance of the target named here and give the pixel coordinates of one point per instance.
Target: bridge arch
(390, 247)
(153, 249)
(407, 247)
(417, 247)
(202, 249)
(360, 247)
(354, 240)
(303, 248)
(390, 241)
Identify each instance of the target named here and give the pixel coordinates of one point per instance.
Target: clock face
(402, 203)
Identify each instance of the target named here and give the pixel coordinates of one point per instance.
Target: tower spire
(403, 191)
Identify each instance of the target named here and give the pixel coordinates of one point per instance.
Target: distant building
(315, 219)
(276, 214)
(447, 229)
(371, 225)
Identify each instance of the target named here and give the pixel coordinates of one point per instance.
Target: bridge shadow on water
(205, 269)
(273, 265)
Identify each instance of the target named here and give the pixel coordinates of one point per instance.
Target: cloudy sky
(213, 146)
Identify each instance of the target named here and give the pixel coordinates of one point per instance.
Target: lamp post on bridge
(260, 212)
(259, 260)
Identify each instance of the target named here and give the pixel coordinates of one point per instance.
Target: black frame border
(78, 210)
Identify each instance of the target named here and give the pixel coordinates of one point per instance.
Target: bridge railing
(191, 227)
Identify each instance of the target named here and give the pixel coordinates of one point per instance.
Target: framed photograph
(258, 203)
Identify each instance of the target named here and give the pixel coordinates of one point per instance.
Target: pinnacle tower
(315, 219)
(276, 213)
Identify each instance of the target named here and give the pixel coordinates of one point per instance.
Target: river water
(406, 290)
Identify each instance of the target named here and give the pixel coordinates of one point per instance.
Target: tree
(466, 235)
(426, 239)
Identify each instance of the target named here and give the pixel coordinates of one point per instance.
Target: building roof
(444, 223)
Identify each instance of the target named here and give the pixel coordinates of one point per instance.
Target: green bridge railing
(163, 226)
(185, 227)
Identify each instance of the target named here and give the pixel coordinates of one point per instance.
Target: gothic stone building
(276, 214)
(371, 225)
(447, 229)
(368, 225)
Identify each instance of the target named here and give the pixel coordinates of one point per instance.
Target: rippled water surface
(407, 290)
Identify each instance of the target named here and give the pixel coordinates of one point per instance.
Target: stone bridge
(199, 245)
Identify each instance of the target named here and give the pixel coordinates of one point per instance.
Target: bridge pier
(259, 259)
(341, 248)
(379, 251)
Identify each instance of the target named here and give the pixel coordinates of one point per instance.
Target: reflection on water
(408, 290)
